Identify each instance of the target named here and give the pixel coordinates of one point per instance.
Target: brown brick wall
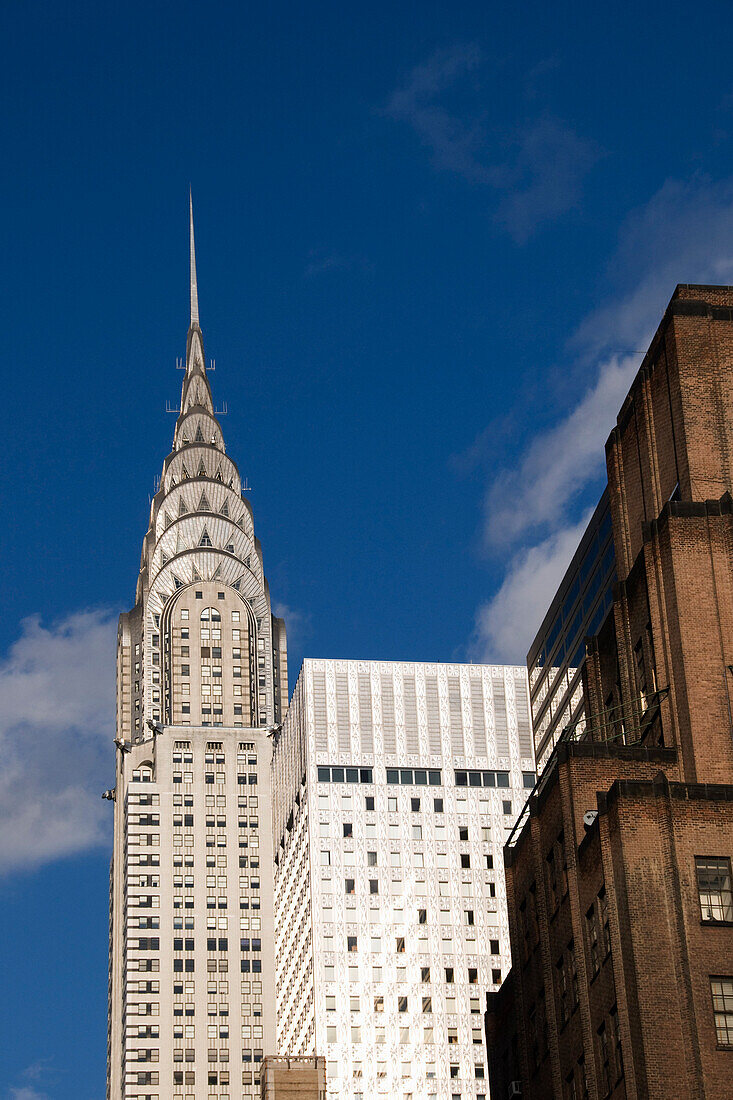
(663, 791)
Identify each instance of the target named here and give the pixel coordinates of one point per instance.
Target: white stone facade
(395, 786)
(201, 675)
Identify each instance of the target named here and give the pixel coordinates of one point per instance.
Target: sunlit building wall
(394, 787)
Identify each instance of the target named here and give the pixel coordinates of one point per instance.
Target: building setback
(619, 873)
(293, 1079)
(201, 675)
(395, 786)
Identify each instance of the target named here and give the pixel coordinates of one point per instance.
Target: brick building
(293, 1078)
(618, 874)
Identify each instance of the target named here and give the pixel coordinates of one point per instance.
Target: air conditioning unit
(515, 1090)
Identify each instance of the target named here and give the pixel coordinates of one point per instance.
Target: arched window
(212, 614)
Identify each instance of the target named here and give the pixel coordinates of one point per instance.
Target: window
(369, 802)
(714, 888)
(722, 992)
(400, 945)
(465, 860)
(349, 886)
(351, 943)
(373, 886)
(402, 1004)
(415, 805)
(371, 859)
(348, 828)
(438, 805)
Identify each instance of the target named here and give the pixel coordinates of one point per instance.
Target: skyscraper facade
(201, 678)
(556, 657)
(619, 872)
(395, 786)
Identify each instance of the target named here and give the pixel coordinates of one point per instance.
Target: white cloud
(25, 1092)
(536, 170)
(559, 463)
(684, 234)
(506, 624)
(57, 692)
(297, 624)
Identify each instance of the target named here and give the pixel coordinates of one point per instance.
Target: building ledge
(660, 787)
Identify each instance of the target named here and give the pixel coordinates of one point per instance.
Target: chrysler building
(201, 683)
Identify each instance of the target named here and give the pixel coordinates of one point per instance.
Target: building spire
(194, 287)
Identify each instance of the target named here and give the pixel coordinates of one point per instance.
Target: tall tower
(200, 558)
(201, 678)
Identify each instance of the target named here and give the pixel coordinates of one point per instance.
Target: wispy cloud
(456, 145)
(321, 261)
(524, 595)
(536, 509)
(544, 176)
(558, 464)
(536, 171)
(26, 1092)
(297, 624)
(57, 689)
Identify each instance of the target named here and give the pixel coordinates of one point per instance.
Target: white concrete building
(201, 661)
(394, 788)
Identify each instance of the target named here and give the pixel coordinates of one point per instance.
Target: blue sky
(433, 241)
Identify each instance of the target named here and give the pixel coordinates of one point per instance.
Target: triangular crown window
(202, 469)
(224, 510)
(205, 538)
(199, 435)
(182, 509)
(204, 505)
